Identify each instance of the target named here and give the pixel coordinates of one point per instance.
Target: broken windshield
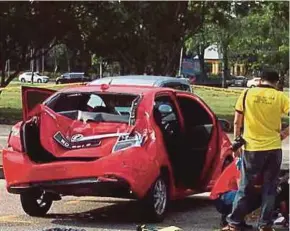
(94, 107)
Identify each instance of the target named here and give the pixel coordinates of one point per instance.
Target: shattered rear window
(94, 107)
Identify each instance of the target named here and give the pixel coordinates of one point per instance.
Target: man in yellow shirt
(259, 111)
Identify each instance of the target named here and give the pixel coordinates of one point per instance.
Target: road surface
(102, 214)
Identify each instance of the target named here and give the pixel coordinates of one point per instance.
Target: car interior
(113, 106)
(76, 106)
(186, 147)
(198, 127)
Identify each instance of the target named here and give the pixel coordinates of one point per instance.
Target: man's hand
(237, 153)
(284, 134)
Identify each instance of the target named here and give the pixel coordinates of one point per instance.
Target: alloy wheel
(160, 196)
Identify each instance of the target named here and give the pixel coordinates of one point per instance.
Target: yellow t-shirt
(264, 107)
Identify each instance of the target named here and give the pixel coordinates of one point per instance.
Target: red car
(146, 143)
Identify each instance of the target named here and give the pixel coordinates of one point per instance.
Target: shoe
(266, 229)
(223, 222)
(246, 226)
(231, 228)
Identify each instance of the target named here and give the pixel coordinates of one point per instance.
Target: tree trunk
(2, 75)
(225, 65)
(32, 71)
(202, 64)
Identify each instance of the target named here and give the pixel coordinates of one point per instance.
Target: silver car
(145, 80)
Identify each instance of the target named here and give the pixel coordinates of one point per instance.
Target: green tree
(264, 36)
(26, 27)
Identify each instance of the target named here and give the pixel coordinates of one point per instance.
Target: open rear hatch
(31, 97)
(56, 136)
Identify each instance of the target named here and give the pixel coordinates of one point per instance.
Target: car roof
(140, 80)
(121, 89)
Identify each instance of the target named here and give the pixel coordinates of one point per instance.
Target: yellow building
(213, 61)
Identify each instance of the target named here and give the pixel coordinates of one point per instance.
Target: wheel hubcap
(160, 197)
(41, 201)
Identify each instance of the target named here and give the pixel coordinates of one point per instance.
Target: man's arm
(284, 134)
(238, 123)
(285, 110)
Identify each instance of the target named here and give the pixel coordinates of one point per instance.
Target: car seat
(103, 109)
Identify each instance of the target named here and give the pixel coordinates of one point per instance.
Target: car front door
(201, 135)
(28, 77)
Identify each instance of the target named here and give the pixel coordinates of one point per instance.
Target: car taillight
(14, 142)
(15, 131)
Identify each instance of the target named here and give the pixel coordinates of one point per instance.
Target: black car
(73, 77)
(237, 81)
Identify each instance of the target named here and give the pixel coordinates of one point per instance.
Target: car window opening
(94, 107)
(185, 146)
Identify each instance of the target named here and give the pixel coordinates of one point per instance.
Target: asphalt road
(104, 214)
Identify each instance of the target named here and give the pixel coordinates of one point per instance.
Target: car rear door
(31, 97)
(207, 128)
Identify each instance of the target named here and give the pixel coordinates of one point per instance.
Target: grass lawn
(221, 102)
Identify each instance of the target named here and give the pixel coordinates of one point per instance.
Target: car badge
(76, 137)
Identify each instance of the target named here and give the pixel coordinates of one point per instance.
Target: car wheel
(39, 81)
(253, 86)
(23, 80)
(35, 203)
(57, 82)
(156, 201)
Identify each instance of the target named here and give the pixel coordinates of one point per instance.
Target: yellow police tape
(223, 90)
(41, 86)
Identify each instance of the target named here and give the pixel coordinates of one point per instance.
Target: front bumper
(102, 177)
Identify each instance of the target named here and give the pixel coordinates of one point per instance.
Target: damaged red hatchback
(145, 143)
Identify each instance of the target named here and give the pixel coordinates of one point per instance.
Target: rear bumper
(101, 177)
(81, 187)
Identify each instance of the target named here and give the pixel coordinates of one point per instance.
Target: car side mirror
(225, 124)
(165, 109)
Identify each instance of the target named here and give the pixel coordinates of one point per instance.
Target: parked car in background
(146, 80)
(37, 77)
(145, 143)
(237, 81)
(254, 82)
(73, 77)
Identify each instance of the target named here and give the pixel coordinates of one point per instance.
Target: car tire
(23, 80)
(157, 200)
(57, 82)
(253, 86)
(35, 203)
(39, 81)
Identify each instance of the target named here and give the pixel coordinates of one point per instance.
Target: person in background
(259, 111)
(224, 191)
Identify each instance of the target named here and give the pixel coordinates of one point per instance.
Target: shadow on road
(182, 213)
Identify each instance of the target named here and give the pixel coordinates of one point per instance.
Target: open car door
(201, 141)
(31, 97)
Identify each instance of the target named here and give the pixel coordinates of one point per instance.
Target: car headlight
(127, 141)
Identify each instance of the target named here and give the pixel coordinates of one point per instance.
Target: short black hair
(270, 75)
